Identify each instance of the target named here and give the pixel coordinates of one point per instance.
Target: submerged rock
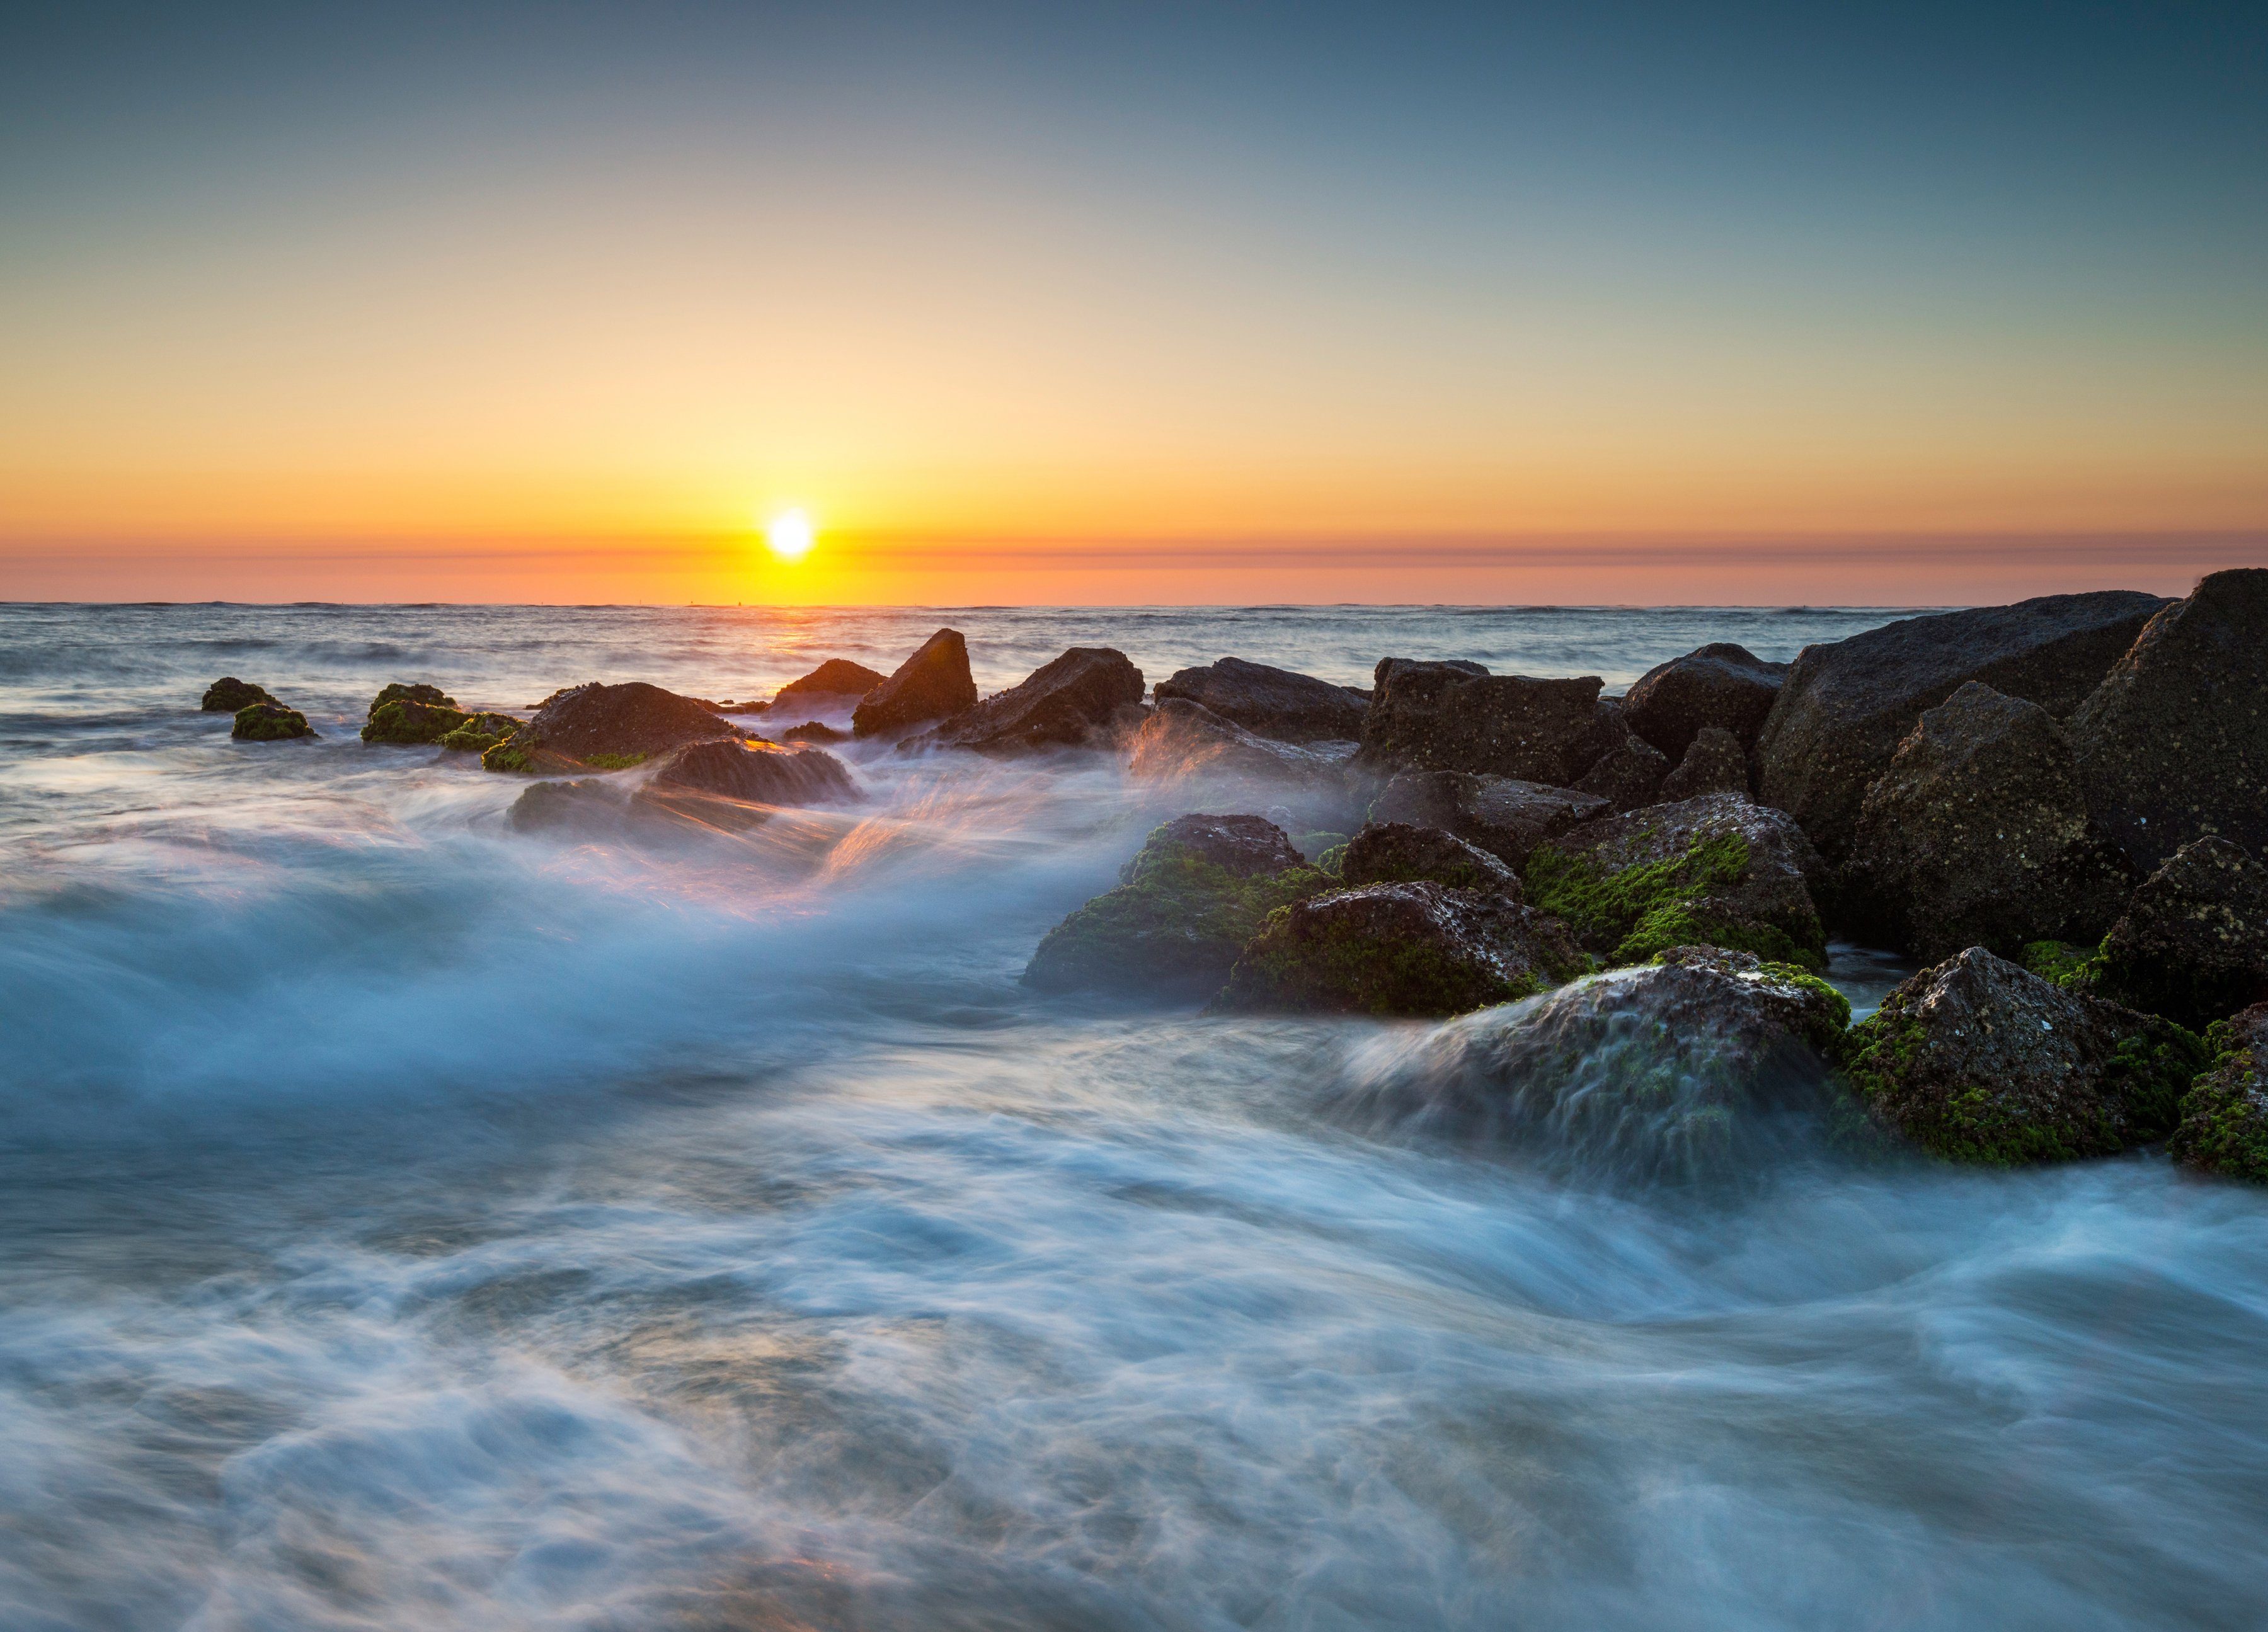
(1977, 835)
(1714, 762)
(1628, 776)
(758, 773)
(2224, 1126)
(1979, 1060)
(589, 808)
(1183, 741)
(1271, 702)
(1677, 1070)
(2174, 745)
(1198, 890)
(1074, 701)
(1408, 949)
(1723, 687)
(2192, 943)
(1399, 852)
(228, 693)
(270, 722)
(606, 728)
(1502, 815)
(1712, 871)
(835, 681)
(1449, 717)
(1845, 706)
(933, 684)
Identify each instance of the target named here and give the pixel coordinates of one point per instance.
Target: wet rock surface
(1397, 852)
(1721, 685)
(759, 773)
(2224, 1126)
(1502, 815)
(1271, 702)
(1076, 701)
(2192, 942)
(1844, 707)
(1444, 717)
(412, 716)
(835, 681)
(1183, 741)
(228, 693)
(1714, 762)
(2174, 745)
(606, 727)
(933, 684)
(1244, 846)
(270, 722)
(1628, 776)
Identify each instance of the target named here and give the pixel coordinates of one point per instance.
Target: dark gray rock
(1414, 949)
(1397, 852)
(1073, 702)
(228, 693)
(1714, 763)
(933, 684)
(607, 727)
(835, 681)
(1243, 846)
(1979, 1060)
(1721, 685)
(1441, 716)
(2192, 943)
(1844, 707)
(2224, 1126)
(1977, 835)
(2174, 745)
(1182, 742)
(1502, 815)
(1271, 702)
(1627, 776)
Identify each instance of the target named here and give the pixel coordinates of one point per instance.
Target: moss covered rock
(1399, 852)
(2192, 943)
(2224, 1126)
(596, 727)
(410, 722)
(270, 722)
(1712, 871)
(1979, 1060)
(480, 733)
(228, 693)
(1400, 949)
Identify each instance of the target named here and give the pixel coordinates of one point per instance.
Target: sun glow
(789, 535)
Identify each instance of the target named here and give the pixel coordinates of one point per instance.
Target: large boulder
(1198, 891)
(1413, 949)
(1844, 707)
(1978, 1060)
(833, 683)
(228, 693)
(1271, 702)
(606, 728)
(1714, 762)
(1502, 815)
(933, 684)
(1712, 871)
(2173, 746)
(1444, 717)
(413, 714)
(1628, 776)
(1398, 852)
(1977, 835)
(2224, 1126)
(1721, 685)
(2192, 943)
(1680, 1069)
(1077, 700)
(270, 722)
(754, 773)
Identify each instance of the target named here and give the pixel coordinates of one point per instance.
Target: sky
(1157, 304)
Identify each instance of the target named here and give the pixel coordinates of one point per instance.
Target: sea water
(409, 1223)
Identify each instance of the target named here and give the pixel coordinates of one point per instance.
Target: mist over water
(408, 1222)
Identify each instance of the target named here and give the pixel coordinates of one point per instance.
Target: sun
(789, 535)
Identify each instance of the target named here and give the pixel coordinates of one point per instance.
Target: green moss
(431, 696)
(2224, 1126)
(614, 762)
(1179, 923)
(480, 732)
(2152, 1070)
(1326, 850)
(2060, 963)
(411, 721)
(1641, 912)
(268, 722)
(1334, 963)
(508, 755)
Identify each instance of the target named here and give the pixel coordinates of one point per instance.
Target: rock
(1677, 1070)
(933, 684)
(2173, 746)
(270, 722)
(758, 773)
(1979, 1061)
(2192, 943)
(606, 728)
(1271, 702)
(1442, 716)
(1712, 871)
(1977, 835)
(1397, 852)
(1070, 702)
(1627, 776)
(1416, 949)
(589, 808)
(1183, 741)
(1721, 685)
(398, 714)
(1714, 763)
(814, 731)
(1174, 927)
(2224, 1126)
(1846, 706)
(228, 693)
(1505, 817)
(480, 733)
(837, 681)
(400, 691)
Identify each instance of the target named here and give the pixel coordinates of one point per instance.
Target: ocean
(406, 1222)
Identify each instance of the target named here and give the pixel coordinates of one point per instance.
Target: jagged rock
(1721, 685)
(1712, 871)
(1397, 852)
(2224, 1126)
(837, 681)
(1502, 815)
(1417, 949)
(1073, 702)
(1271, 702)
(814, 731)
(1174, 926)
(1676, 1069)
(1845, 706)
(270, 722)
(1627, 776)
(1977, 835)
(1183, 741)
(933, 684)
(1445, 717)
(606, 728)
(481, 732)
(1714, 763)
(2192, 943)
(2173, 744)
(228, 693)
(1979, 1060)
